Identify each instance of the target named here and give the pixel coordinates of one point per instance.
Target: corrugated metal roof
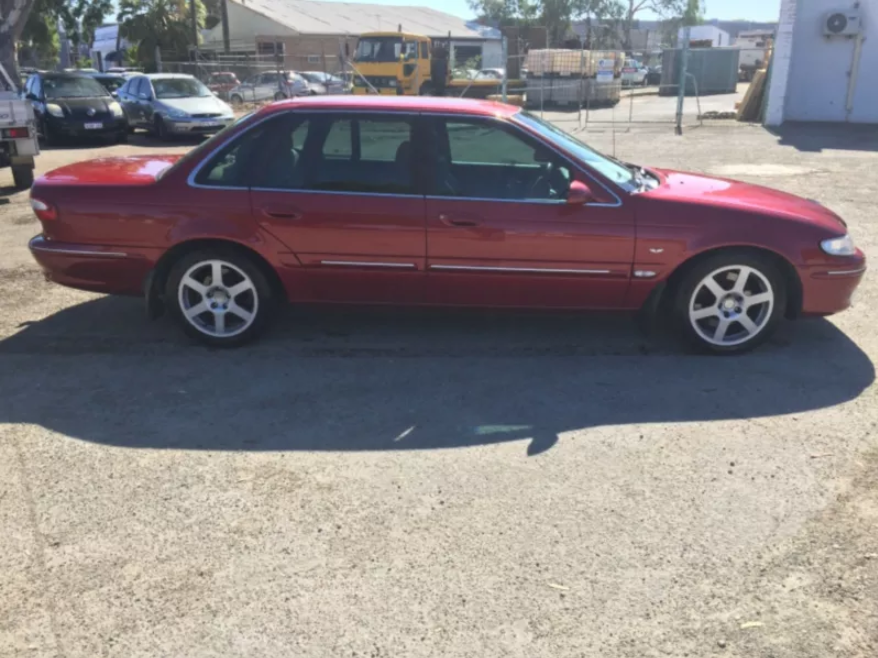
(309, 17)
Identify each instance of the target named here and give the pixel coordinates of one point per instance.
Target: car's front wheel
(730, 302)
(220, 297)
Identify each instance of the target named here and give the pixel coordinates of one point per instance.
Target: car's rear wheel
(220, 297)
(731, 302)
(237, 101)
(279, 96)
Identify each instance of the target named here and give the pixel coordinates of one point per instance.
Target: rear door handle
(458, 221)
(282, 213)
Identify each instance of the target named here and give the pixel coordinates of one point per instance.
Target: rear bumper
(111, 270)
(830, 289)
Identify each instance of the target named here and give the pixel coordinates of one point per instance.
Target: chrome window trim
(353, 263)
(480, 268)
(194, 173)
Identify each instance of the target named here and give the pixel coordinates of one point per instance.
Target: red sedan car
(440, 202)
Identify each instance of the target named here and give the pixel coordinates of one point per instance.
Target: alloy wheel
(731, 305)
(218, 298)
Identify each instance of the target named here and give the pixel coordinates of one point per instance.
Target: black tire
(22, 177)
(48, 135)
(767, 278)
(264, 306)
(160, 129)
(280, 96)
(237, 101)
(426, 89)
(122, 137)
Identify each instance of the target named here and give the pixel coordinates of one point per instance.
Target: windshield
(179, 88)
(610, 168)
(379, 49)
(56, 88)
(112, 84)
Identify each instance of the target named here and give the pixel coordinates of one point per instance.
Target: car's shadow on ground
(398, 381)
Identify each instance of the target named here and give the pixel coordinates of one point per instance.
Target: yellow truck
(403, 64)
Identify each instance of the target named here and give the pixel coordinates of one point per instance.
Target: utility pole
(681, 90)
(224, 14)
(193, 18)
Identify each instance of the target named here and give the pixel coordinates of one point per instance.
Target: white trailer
(19, 145)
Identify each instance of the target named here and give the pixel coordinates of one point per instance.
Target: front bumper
(829, 289)
(76, 128)
(96, 268)
(197, 126)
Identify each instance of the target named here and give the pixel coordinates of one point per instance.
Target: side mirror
(32, 97)
(114, 94)
(579, 194)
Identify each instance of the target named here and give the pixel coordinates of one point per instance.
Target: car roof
(395, 103)
(169, 76)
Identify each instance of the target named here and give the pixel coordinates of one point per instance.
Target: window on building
(265, 48)
(313, 59)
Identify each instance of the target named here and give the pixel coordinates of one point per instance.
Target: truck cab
(393, 64)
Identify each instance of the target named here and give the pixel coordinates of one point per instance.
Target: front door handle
(282, 213)
(458, 221)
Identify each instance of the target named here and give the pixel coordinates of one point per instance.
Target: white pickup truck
(18, 134)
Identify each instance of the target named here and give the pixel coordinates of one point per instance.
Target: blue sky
(754, 10)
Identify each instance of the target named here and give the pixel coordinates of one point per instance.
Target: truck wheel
(23, 177)
(426, 89)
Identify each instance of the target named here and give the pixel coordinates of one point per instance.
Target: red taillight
(16, 133)
(45, 211)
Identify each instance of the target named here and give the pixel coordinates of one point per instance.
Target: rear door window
(370, 154)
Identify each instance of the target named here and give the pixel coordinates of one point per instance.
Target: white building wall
(716, 36)
(245, 25)
(814, 86)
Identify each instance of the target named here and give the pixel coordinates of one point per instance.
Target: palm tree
(158, 25)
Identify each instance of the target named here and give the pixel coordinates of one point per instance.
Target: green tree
(39, 40)
(158, 24)
(36, 20)
(633, 8)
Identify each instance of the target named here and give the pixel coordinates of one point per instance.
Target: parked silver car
(324, 83)
(268, 86)
(172, 104)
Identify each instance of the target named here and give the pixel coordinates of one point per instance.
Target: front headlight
(55, 110)
(843, 246)
(116, 109)
(175, 113)
(391, 82)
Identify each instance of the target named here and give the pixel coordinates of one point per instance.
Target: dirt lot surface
(398, 484)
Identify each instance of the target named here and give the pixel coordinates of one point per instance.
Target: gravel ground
(425, 484)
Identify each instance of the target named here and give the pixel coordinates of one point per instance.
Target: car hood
(134, 170)
(81, 106)
(196, 104)
(734, 195)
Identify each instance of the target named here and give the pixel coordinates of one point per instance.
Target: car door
(35, 95)
(341, 192)
(129, 101)
(247, 89)
(500, 231)
(268, 86)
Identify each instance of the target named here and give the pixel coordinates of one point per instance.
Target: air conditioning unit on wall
(841, 23)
